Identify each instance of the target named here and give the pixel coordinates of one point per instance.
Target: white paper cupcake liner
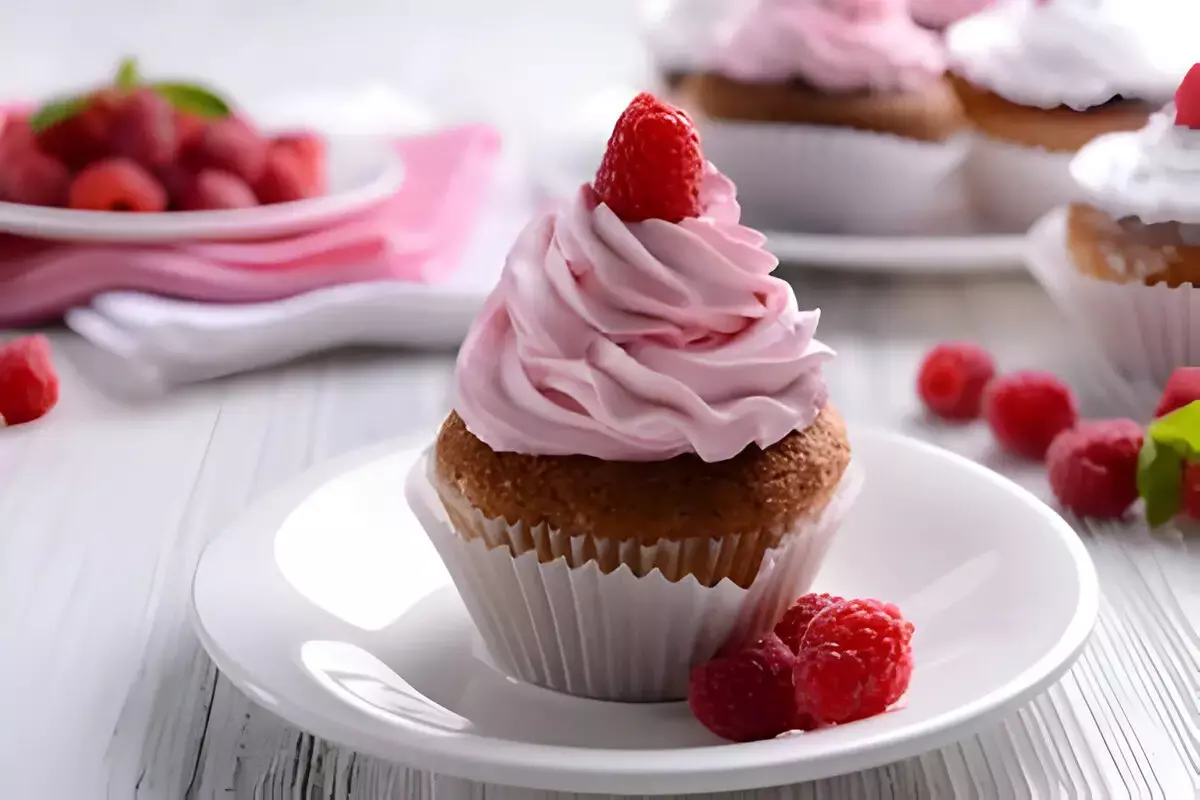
(834, 180)
(614, 636)
(1012, 186)
(1144, 332)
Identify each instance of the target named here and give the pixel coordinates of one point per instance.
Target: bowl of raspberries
(145, 160)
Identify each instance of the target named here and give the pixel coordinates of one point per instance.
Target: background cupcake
(834, 116)
(642, 465)
(1041, 78)
(939, 14)
(1125, 259)
(682, 35)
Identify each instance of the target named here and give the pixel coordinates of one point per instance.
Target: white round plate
(571, 145)
(327, 604)
(361, 172)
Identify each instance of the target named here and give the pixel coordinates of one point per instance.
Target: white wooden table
(104, 508)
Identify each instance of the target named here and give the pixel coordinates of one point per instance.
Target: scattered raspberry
(117, 184)
(1026, 410)
(794, 624)
(87, 136)
(653, 166)
(284, 179)
(309, 148)
(231, 145)
(855, 661)
(1093, 467)
(28, 382)
(746, 696)
(34, 179)
(213, 189)
(952, 378)
(1183, 387)
(188, 128)
(1190, 492)
(142, 129)
(1187, 99)
(16, 137)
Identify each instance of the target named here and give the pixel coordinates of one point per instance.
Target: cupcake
(1041, 78)
(642, 464)
(682, 35)
(1124, 259)
(938, 15)
(834, 116)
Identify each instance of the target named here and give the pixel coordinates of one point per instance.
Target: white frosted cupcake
(1124, 259)
(1041, 78)
(835, 116)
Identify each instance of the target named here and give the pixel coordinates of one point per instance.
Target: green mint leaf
(128, 75)
(193, 99)
(1170, 441)
(1160, 482)
(56, 111)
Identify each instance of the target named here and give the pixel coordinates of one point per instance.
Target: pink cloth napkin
(416, 236)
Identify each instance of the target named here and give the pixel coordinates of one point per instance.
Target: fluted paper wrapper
(1012, 185)
(610, 635)
(835, 180)
(1144, 332)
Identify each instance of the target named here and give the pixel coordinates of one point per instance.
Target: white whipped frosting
(684, 34)
(1077, 53)
(1152, 174)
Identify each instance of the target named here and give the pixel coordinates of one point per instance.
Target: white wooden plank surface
(105, 508)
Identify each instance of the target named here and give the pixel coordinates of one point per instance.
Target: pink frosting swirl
(640, 341)
(835, 45)
(940, 13)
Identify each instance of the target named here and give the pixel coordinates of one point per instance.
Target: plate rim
(758, 764)
(224, 224)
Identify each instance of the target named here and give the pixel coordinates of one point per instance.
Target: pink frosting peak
(835, 45)
(640, 341)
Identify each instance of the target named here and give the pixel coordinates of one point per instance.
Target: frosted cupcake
(939, 14)
(642, 464)
(682, 35)
(834, 116)
(1125, 258)
(1041, 78)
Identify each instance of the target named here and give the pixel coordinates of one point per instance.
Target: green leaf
(193, 99)
(128, 75)
(1170, 441)
(56, 111)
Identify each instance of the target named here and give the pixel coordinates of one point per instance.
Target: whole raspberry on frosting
(1187, 100)
(652, 167)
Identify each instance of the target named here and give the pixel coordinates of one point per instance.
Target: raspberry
(1183, 387)
(143, 129)
(746, 696)
(117, 184)
(792, 627)
(1026, 410)
(228, 144)
(854, 662)
(213, 189)
(1093, 467)
(85, 137)
(952, 378)
(284, 179)
(16, 138)
(28, 382)
(309, 148)
(653, 166)
(34, 178)
(1187, 99)
(1190, 492)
